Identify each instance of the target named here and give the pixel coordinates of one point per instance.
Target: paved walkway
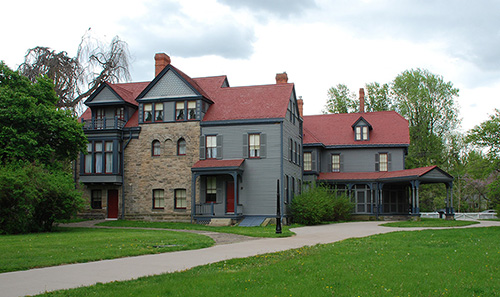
(36, 281)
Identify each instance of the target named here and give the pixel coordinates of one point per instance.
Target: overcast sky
(319, 43)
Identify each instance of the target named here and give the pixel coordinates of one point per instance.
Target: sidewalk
(35, 281)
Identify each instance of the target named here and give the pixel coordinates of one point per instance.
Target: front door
(230, 197)
(112, 204)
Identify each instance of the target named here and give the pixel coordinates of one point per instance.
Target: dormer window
(362, 133)
(179, 111)
(191, 110)
(148, 112)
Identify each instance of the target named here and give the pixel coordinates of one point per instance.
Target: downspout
(282, 170)
(123, 172)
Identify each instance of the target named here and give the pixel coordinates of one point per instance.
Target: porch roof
(430, 174)
(218, 165)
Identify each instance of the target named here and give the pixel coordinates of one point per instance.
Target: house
(194, 149)
(182, 148)
(363, 154)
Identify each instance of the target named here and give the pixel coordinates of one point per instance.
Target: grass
(268, 231)
(428, 222)
(453, 262)
(78, 245)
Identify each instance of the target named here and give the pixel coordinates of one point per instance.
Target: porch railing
(464, 216)
(209, 209)
(104, 123)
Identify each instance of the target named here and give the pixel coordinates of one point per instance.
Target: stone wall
(168, 171)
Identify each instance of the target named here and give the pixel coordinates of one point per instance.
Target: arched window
(155, 148)
(181, 147)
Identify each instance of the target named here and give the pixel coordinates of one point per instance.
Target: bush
(32, 198)
(318, 204)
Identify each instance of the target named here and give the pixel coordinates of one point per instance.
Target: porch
(219, 182)
(388, 194)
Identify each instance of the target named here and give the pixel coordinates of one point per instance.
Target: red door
(112, 204)
(230, 197)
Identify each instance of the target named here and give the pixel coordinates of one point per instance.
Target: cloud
(281, 8)
(470, 30)
(168, 27)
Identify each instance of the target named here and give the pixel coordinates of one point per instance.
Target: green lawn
(268, 231)
(77, 245)
(427, 222)
(454, 262)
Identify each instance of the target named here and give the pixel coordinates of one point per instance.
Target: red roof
(389, 127)
(211, 163)
(129, 91)
(252, 102)
(338, 176)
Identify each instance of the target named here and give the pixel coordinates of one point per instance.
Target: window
(159, 112)
(191, 110)
(179, 111)
(155, 148)
(119, 113)
(361, 132)
(158, 198)
(98, 157)
(180, 199)
(254, 145)
(286, 188)
(96, 199)
(148, 112)
(88, 159)
(307, 161)
(100, 116)
(296, 156)
(211, 146)
(211, 189)
(108, 157)
(383, 162)
(335, 163)
(290, 154)
(181, 147)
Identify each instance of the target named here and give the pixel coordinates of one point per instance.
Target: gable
(105, 95)
(170, 85)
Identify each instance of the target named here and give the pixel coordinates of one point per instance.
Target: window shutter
(388, 161)
(219, 147)
(330, 169)
(219, 194)
(141, 113)
(263, 145)
(341, 158)
(202, 147)
(377, 162)
(313, 161)
(245, 146)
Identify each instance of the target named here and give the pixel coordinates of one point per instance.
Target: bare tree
(76, 78)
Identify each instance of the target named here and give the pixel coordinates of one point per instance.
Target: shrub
(318, 204)
(32, 198)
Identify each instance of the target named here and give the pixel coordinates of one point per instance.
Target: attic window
(362, 133)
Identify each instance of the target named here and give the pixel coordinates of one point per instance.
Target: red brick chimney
(361, 100)
(161, 61)
(281, 78)
(300, 105)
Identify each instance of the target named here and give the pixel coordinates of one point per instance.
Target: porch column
(193, 196)
(417, 198)
(449, 201)
(380, 198)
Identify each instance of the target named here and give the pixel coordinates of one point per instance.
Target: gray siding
(258, 184)
(362, 159)
(292, 165)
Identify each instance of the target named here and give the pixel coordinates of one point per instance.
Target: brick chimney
(361, 100)
(300, 105)
(161, 61)
(281, 78)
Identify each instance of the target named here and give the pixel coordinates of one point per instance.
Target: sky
(319, 43)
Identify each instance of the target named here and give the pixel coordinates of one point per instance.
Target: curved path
(34, 281)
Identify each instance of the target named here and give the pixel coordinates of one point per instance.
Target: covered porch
(388, 194)
(218, 197)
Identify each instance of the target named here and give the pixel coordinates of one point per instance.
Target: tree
(37, 142)
(487, 135)
(341, 100)
(76, 78)
(378, 97)
(32, 128)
